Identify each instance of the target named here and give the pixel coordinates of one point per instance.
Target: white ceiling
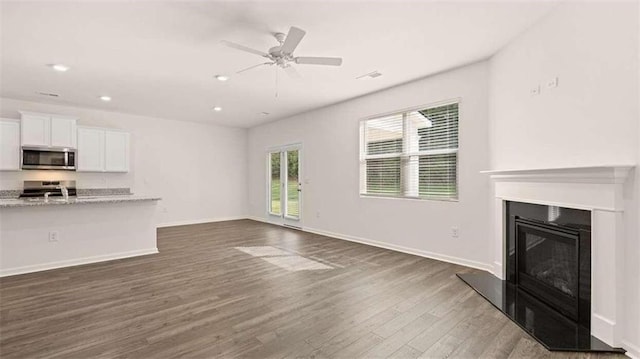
(159, 58)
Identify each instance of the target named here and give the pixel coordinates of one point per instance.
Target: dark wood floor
(202, 298)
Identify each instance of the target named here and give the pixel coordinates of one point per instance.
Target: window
(413, 154)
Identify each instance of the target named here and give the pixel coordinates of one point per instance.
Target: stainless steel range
(42, 190)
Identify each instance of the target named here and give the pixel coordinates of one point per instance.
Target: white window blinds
(411, 154)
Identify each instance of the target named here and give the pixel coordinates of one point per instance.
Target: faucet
(65, 192)
(46, 196)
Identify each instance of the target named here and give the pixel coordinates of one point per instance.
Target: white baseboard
(199, 221)
(397, 248)
(497, 270)
(603, 328)
(260, 219)
(75, 262)
(633, 351)
(393, 247)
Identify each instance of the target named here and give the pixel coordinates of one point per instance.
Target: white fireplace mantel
(594, 174)
(587, 188)
(599, 189)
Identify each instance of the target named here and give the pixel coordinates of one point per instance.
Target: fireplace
(598, 225)
(547, 289)
(549, 256)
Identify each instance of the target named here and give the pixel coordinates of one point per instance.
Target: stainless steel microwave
(38, 158)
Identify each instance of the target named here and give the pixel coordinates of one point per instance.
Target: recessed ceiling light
(222, 77)
(217, 108)
(59, 67)
(264, 113)
(105, 98)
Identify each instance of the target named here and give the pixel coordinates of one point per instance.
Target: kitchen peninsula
(38, 235)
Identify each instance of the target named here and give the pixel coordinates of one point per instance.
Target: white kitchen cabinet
(36, 129)
(116, 151)
(90, 155)
(102, 150)
(63, 131)
(9, 145)
(46, 130)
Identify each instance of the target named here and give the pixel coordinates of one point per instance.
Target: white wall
(591, 118)
(199, 170)
(633, 329)
(331, 167)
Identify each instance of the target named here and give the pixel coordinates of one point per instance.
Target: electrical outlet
(164, 210)
(53, 236)
(318, 214)
(455, 233)
(535, 91)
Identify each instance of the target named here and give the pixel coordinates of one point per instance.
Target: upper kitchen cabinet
(36, 129)
(116, 146)
(9, 145)
(90, 153)
(102, 150)
(46, 130)
(63, 131)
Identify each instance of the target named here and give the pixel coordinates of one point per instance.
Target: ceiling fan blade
(292, 72)
(244, 48)
(331, 61)
(292, 40)
(254, 66)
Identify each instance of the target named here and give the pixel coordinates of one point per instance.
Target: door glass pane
(274, 159)
(293, 181)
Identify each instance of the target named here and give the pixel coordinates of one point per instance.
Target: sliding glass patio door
(284, 202)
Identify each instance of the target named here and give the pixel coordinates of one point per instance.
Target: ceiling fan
(282, 55)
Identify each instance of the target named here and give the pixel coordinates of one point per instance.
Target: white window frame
(405, 156)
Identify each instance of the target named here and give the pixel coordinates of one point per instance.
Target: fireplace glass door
(548, 264)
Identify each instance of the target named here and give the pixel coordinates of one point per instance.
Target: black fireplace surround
(547, 290)
(549, 256)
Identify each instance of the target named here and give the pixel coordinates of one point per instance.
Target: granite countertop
(57, 201)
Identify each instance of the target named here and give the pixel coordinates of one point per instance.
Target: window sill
(378, 196)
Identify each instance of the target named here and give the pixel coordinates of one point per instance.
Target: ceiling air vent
(49, 94)
(372, 74)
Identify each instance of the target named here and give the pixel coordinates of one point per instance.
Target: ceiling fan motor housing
(275, 51)
(280, 37)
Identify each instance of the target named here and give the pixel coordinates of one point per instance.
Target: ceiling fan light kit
(282, 55)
